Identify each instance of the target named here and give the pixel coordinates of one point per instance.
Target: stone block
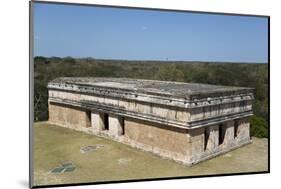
(97, 121)
(211, 141)
(75, 118)
(116, 125)
(243, 131)
(158, 136)
(228, 133)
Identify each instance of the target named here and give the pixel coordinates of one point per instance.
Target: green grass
(54, 146)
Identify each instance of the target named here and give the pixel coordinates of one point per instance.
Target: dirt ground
(54, 145)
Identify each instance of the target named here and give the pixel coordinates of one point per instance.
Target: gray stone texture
(185, 122)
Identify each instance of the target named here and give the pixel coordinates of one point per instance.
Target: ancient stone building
(186, 122)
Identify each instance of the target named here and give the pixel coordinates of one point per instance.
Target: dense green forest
(234, 74)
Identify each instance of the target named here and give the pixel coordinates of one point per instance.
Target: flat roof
(155, 87)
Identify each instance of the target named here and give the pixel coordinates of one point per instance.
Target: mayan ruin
(184, 122)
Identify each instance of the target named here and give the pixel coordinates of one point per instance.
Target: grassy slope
(54, 145)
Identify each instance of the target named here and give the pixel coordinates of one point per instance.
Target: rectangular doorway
(206, 137)
(106, 124)
(122, 125)
(88, 118)
(236, 124)
(221, 134)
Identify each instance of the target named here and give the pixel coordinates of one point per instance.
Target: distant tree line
(233, 74)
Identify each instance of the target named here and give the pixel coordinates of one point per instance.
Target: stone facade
(184, 122)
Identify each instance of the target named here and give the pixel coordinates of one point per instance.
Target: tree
(258, 127)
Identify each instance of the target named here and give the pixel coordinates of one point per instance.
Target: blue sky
(115, 33)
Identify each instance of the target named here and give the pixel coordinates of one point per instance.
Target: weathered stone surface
(179, 117)
(97, 120)
(185, 122)
(243, 132)
(160, 88)
(116, 125)
(212, 141)
(166, 141)
(228, 133)
(71, 117)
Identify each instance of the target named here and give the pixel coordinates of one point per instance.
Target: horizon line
(156, 60)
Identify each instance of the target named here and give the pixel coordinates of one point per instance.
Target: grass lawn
(54, 145)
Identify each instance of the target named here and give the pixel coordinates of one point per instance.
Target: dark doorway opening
(106, 125)
(235, 128)
(221, 134)
(206, 137)
(122, 125)
(88, 118)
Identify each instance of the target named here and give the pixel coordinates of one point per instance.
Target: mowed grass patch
(54, 145)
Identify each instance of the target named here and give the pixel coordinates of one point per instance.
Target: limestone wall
(185, 130)
(220, 109)
(207, 142)
(177, 116)
(167, 142)
(185, 145)
(70, 117)
(165, 112)
(243, 130)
